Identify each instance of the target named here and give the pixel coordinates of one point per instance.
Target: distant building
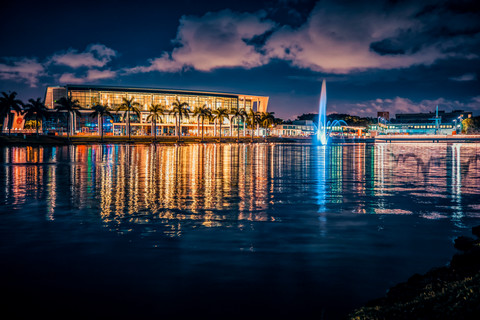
(297, 128)
(412, 128)
(305, 128)
(383, 114)
(446, 123)
(445, 117)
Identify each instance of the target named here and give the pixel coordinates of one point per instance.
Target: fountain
(324, 127)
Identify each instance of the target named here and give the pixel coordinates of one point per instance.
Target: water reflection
(232, 185)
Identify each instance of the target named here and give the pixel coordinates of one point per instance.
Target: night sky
(396, 56)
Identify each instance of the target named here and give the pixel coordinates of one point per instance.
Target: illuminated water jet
(324, 127)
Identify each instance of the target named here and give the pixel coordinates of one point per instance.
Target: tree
(156, 111)
(471, 125)
(9, 102)
(179, 110)
(309, 116)
(128, 105)
(100, 111)
(71, 107)
(239, 114)
(245, 117)
(219, 115)
(266, 120)
(252, 118)
(351, 120)
(36, 108)
(202, 112)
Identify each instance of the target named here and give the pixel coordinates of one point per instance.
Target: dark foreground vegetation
(451, 292)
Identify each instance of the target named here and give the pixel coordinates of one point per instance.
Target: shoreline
(29, 140)
(449, 292)
(168, 140)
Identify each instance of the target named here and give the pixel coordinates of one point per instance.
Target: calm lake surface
(226, 229)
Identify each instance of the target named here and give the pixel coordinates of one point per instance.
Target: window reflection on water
(213, 185)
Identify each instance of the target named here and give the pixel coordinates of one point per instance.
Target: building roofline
(159, 90)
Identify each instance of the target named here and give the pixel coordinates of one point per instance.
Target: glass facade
(112, 97)
(87, 97)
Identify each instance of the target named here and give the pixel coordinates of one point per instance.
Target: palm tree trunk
(128, 125)
(155, 129)
(203, 118)
(253, 129)
(220, 131)
(68, 125)
(100, 127)
(176, 125)
(238, 130)
(198, 125)
(36, 124)
(73, 124)
(179, 126)
(8, 120)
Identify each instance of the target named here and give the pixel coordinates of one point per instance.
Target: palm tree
(179, 110)
(71, 107)
(245, 117)
(238, 114)
(266, 120)
(100, 111)
(202, 112)
(9, 102)
(156, 112)
(37, 108)
(220, 114)
(277, 121)
(128, 105)
(253, 119)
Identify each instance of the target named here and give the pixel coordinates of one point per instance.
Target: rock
(447, 292)
(463, 243)
(476, 231)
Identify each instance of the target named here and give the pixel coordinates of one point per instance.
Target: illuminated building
(438, 122)
(446, 117)
(112, 97)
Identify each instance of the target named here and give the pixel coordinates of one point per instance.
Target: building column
(5, 122)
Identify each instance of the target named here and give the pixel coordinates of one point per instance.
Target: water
(221, 230)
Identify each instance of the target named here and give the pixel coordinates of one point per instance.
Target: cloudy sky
(397, 56)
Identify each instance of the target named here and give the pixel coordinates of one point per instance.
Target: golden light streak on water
(218, 183)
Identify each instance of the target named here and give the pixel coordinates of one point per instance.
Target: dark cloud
(400, 51)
